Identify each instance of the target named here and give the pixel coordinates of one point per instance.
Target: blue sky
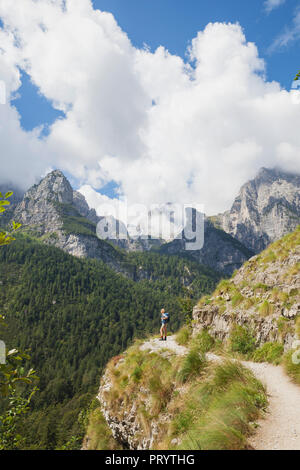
(171, 24)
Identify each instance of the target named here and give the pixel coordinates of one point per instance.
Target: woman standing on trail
(164, 321)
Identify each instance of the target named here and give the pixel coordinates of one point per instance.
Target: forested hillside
(75, 314)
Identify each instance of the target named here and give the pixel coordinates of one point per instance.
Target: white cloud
(272, 4)
(215, 119)
(290, 34)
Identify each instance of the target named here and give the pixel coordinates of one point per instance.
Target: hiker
(164, 321)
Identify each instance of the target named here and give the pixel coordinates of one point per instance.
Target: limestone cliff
(220, 251)
(266, 209)
(263, 295)
(57, 215)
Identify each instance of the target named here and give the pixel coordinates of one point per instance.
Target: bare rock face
(125, 427)
(38, 209)
(220, 251)
(61, 217)
(264, 295)
(266, 209)
(124, 421)
(83, 208)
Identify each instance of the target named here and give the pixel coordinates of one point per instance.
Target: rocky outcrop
(125, 429)
(263, 295)
(59, 216)
(220, 251)
(82, 206)
(125, 422)
(266, 209)
(39, 208)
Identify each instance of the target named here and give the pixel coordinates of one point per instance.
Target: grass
(237, 299)
(291, 368)
(183, 335)
(285, 327)
(206, 405)
(217, 413)
(269, 352)
(204, 341)
(242, 340)
(265, 309)
(194, 363)
(141, 370)
(100, 435)
(297, 326)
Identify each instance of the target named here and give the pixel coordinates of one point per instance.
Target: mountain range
(266, 208)
(76, 300)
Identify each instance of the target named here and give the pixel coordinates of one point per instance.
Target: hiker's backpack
(168, 317)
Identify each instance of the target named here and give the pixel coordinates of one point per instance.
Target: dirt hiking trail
(280, 428)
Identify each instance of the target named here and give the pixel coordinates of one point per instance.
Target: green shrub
(204, 341)
(241, 340)
(137, 374)
(99, 433)
(193, 364)
(269, 352)
(183, 335)
(237, 299)
(265, 309)
(293, 370)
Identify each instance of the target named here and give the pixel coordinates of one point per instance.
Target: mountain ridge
(266, 208)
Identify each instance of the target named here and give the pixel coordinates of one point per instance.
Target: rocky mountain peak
(54, 187)
(46, 205)
(266, 208)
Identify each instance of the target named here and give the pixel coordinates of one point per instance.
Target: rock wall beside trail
(263, 295)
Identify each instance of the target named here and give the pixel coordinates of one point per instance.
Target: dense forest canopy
(75, 314)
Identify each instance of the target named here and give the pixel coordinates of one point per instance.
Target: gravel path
(280, 429)
(155, 345)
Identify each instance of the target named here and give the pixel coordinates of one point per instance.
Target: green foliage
(217, 412)
(7, 237)
(100, 435)
(183, 335)
(75, 314)
(194, 363)
(16, 406)
(204, 341)
(12, 373)
(73, 222)
(269, 352)
(241, 340)
(290, 360)
(265, 309)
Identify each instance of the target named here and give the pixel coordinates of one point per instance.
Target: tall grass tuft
(183, 336)
(235, 400)
(269, 352)
(194, 363)
(242, 340)
(291, 368)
